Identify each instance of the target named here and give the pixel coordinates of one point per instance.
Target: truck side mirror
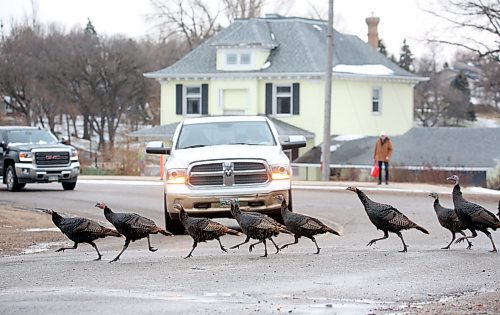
(156, 147)
(64, 141)
(156, 150)
(294, 142)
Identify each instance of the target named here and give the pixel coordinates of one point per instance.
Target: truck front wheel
(11, 179)
(68, 185)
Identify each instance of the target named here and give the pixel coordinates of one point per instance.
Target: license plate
(53, 178)
(226, 202)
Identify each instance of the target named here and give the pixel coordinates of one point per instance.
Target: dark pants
(386, 168)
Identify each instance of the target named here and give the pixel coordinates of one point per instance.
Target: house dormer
(245, 48)
(241, 58)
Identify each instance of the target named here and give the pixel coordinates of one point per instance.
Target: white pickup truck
(215, 159)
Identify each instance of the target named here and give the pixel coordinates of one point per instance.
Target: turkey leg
(238, 245)
(195, 243)
(152, 249)
(386, 235)
(95, 246)
(62, 249)
(127, 242)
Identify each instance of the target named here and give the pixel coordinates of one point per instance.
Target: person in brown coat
(382, 155)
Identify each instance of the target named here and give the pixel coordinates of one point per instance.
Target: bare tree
(193, 20)
(18, 53)
(235, 9)
(429, 105)
(477, 22)
(489, 82)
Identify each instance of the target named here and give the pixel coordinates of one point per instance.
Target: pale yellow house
(275, 66)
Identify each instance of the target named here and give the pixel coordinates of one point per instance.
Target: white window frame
(241, 55)
(239, 65)
(185, 99)
(232, 54)
(275, 99)
(378, 100)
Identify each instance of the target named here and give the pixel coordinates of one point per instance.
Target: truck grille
(228, 173)
(52, 158)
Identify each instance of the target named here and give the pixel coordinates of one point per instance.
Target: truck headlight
(281, 172)
(25, 156)
(74, 155)
(176, 176)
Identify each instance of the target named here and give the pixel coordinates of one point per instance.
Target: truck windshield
(28, 136)
(225, 133)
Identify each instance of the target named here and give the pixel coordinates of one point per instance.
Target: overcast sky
(399, 19)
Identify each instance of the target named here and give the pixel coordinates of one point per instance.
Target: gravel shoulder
(25, 230)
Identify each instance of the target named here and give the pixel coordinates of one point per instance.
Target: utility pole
(325, 149)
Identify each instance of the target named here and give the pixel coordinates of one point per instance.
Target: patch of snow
(363, 69)
(54, 229)
(266, 65)
(317, 27)
(348, 137)
(486, 123)
(42, 247)
(334, 147)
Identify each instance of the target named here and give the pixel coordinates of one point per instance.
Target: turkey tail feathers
(164, 232)
(328, 229)
(232, 232)
(111, 232)
(418, 227)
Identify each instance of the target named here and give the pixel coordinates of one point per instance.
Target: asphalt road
(346, 278)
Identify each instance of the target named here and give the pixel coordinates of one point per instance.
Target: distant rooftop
(475, 148)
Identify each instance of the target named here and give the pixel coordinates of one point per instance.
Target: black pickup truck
(34, 155)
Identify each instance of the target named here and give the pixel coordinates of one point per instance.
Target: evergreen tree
(89, 29)
(381, 47)
(461, 84)
(406, 57)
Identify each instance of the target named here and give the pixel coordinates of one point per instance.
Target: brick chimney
(372, 23)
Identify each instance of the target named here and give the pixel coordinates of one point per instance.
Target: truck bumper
(214, 203)
(29, 173)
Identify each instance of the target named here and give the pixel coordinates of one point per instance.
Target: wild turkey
(448, 219)
(202, 229)
(386, 218)
(133, 226)
(302, 225)
(473, 215)
(257, 226)
(80, 230)
(498, 213)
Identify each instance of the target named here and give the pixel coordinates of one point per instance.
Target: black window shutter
(269, 98)
(296, 98)
(204, 99)
(178, 99)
